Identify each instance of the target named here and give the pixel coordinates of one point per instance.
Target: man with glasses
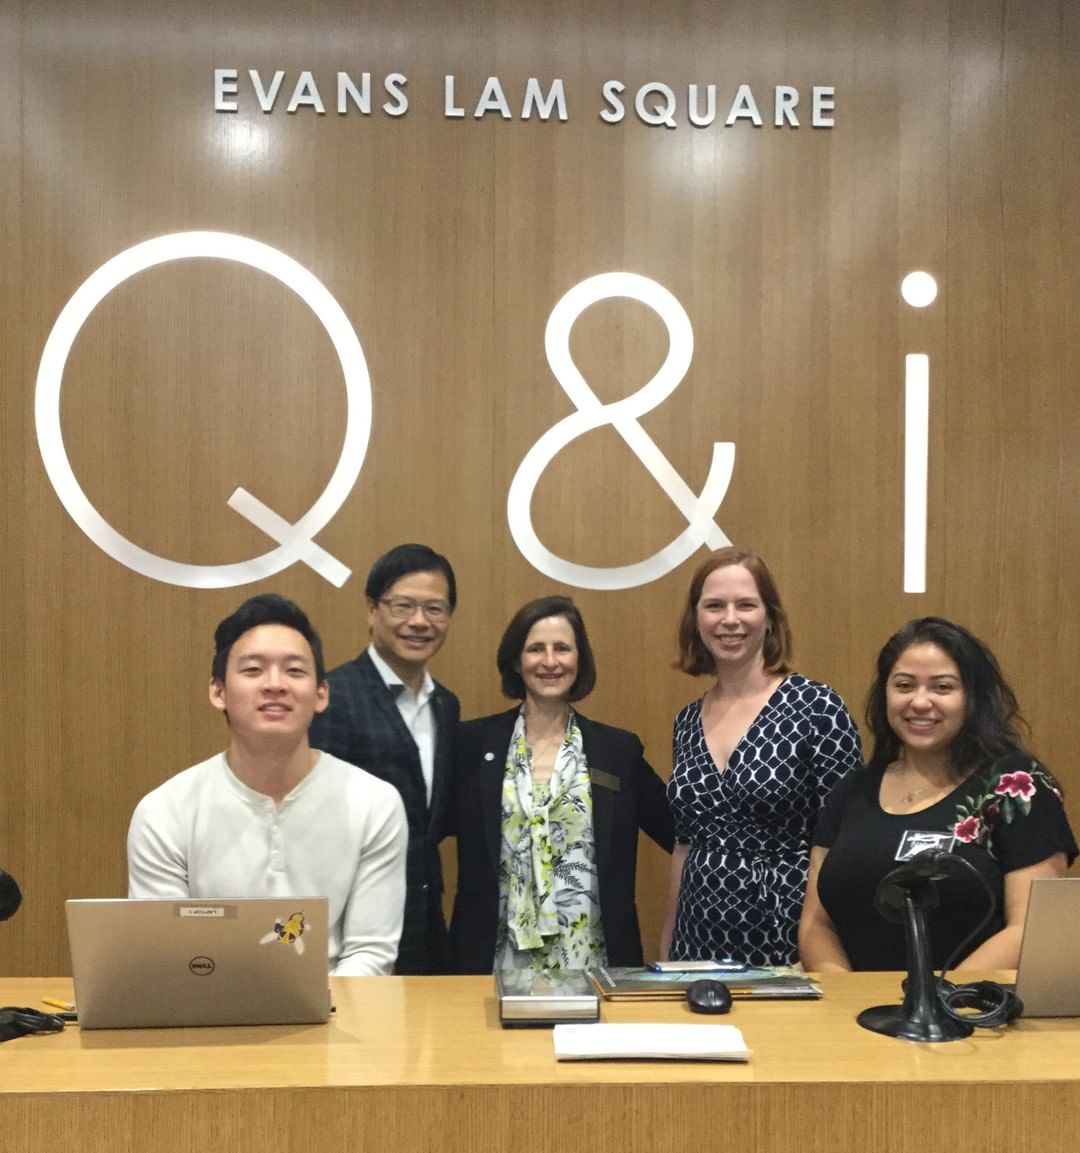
(387, 715)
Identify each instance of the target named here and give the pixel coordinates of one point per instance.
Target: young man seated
(272, 817)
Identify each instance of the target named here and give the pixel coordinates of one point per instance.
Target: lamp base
(899, 1021)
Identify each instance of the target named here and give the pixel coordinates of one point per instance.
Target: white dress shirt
(414, 705)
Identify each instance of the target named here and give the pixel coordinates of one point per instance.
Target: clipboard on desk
(632, 983)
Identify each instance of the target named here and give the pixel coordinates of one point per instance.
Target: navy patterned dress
(749, 827)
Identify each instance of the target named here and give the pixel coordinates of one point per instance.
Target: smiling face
(925, 701)
(549, 660)
(408, 642)
(270, 688)
(731, 616)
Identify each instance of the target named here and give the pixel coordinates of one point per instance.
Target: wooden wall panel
(447, 242)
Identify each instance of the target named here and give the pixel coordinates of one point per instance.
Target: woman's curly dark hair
(993, 725)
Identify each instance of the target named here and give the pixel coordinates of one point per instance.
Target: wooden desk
(414, 1063)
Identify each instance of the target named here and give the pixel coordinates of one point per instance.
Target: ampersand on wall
(623, 416)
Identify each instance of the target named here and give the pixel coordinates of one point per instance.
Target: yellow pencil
(66, 1006)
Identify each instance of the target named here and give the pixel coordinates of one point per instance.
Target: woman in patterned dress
(949, 771)
(753, 761)
(548, 805)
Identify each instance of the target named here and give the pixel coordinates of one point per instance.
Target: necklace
(537, 746)
(924, 789)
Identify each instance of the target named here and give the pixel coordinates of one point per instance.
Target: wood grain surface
(447, 242)
(421, 1063)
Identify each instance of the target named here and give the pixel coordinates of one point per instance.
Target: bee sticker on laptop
(287, 931)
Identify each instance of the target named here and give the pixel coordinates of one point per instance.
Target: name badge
(914, 841)
(605, 780)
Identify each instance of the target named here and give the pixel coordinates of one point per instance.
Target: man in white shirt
(272, 817)
(388, 715)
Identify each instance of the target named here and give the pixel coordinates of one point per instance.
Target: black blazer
(362, 725)
(627, 795)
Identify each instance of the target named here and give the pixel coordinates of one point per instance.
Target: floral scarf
(549, 915)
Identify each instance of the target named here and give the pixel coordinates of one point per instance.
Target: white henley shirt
(340, 834)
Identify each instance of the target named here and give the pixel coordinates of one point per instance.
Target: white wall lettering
(398, 104)
(657, 103)
(919, 289)
(492, 99)
(786, 100)
(698, 118)
(535, 97)
(295, 541)
(615, 111)
(348, 93)
(658, 111)
(266, 96)
(225, 85)
(450, 107)
(823, 100)
(916, 461)
(306, 94)
(744, 107)
(623, 416)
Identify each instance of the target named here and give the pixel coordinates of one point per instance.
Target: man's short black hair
(402, 560)
(265, 609)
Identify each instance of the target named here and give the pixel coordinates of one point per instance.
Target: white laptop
(145, 963)
(1048, 975)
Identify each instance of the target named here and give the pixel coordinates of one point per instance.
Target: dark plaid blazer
(362, 725)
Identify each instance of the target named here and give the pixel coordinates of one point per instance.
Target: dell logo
(201, 966)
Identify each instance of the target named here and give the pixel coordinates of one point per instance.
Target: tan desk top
(416, 1031)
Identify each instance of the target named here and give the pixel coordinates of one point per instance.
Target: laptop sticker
(287, 931)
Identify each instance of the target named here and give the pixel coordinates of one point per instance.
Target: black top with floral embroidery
(1008, 817)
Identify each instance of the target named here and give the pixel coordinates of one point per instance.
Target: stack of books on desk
(616, 983)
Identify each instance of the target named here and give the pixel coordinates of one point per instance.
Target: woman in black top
(948, 771)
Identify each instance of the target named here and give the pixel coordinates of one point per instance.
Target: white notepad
(652, 1041)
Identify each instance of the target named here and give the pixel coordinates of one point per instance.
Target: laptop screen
(1048, 974)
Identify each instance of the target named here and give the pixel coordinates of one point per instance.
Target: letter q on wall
(295, 541)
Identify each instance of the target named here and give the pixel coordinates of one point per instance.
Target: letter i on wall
(919, 289)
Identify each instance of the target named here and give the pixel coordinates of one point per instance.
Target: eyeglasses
(401, 608)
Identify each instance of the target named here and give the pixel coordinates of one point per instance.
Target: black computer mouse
(708, 997)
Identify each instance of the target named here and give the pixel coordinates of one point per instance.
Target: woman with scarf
(548, 807)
